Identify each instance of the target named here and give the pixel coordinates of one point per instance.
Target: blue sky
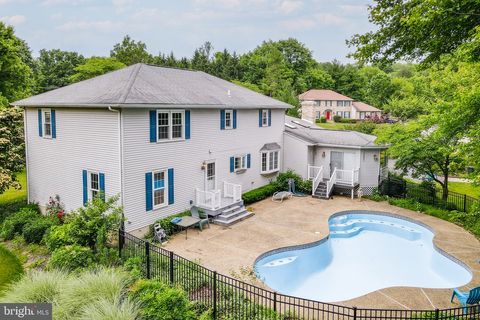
(92, 27)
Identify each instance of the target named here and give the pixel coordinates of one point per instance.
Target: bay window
(270, 161)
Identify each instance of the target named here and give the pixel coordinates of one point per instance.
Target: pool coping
(326, 238)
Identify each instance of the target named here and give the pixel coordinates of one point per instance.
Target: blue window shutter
(248, 160)
(101, 178)
(153, 126)
(54, 124)
(232, 164)
(40, 123)
(171, 195)
(234, 119)
(187, 124)
(148, 191)
(260, 117)
(85, 188)
(269, 117)
(222, 119)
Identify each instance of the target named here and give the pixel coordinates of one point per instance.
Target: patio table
(186, 223)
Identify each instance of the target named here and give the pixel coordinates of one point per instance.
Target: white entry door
(211, 176)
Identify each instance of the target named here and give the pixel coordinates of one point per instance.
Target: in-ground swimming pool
(365, 251)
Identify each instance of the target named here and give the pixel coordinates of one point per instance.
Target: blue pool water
(363, 253)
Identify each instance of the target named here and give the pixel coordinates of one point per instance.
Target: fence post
(214, 295)
(147, 258)
(434, 195)
(437, 314)
(388, 185)
(464, 203)
(354, 313)
(120, 242)
(274, 301)
(171, 268)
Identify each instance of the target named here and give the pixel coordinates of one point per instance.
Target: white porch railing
(231, 190)
(347, 177)
(208, 199)
(331, 182)
(313, 171)
(317, 179)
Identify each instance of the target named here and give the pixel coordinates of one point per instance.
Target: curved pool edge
(384, 213)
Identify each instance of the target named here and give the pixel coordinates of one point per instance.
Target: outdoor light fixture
(323, 154)
(375, 157)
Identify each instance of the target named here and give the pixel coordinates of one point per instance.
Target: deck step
(231, 209)
(231, 215)
(246, 214)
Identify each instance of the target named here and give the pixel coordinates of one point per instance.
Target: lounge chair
(202, 216)
(466, 298)
(279, 196)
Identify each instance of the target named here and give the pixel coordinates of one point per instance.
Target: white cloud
(4, 1)
(15, 20)
(289, 6)
(103, 26)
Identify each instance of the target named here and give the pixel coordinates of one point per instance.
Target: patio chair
(279, 196)
(466, 298)
(200, 215)
(159, 233)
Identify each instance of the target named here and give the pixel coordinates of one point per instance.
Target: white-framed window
(47, 123)
(317, 103)
(265, 118)
(170, 125)
(328, 103)
(270, 161)
(240, 162)
(340, 103)
(317, 114)
(362, 115)
(159, 188)
(228, 119)
(346, 114)
(93, 185)
(339, 113)
(347, 103)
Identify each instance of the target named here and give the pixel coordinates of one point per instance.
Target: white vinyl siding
(207, 143)
(89, 139)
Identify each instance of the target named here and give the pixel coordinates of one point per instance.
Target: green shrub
(9, 208)
(34, 231)
(347, 120)
(60, 236)
(337, 118)
(134, 265)
(281, 183)
(167, 225)
(259, 194)
(365, 127)
(161, 302)
(71, 258)
(323, 120)
(13, 225)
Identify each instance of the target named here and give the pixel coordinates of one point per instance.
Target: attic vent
(228, 93)
(291, 126)
(301, 124)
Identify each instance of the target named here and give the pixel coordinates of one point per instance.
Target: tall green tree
(419, 30)
(95, 66)
(15, 72)
(130, 52)
(12, 157)
(55, 67)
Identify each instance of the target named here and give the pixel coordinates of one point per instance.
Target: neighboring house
(332, 159)
(163, 139)
(328, 103)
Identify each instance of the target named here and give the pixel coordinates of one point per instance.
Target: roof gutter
(154, 105)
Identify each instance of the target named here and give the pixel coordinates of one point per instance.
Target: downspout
(26, 152)
(120, 156)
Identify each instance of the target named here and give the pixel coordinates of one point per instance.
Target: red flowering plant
(55, 208)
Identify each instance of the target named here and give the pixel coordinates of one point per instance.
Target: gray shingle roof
(312, 134)
(142, 85)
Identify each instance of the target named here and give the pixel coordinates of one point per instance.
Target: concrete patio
(233, 250)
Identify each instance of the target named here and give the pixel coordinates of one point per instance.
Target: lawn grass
(465, 188)
(13, 195)
(332, 125)
(10, 267)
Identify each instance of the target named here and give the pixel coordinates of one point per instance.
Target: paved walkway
(233, 250)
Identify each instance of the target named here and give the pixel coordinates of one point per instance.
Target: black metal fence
(229, 298)
(400, 188)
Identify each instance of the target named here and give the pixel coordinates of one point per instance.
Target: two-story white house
(163, 139)
(327, 103)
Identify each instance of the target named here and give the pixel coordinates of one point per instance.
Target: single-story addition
(334, 160)
(163, 139)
